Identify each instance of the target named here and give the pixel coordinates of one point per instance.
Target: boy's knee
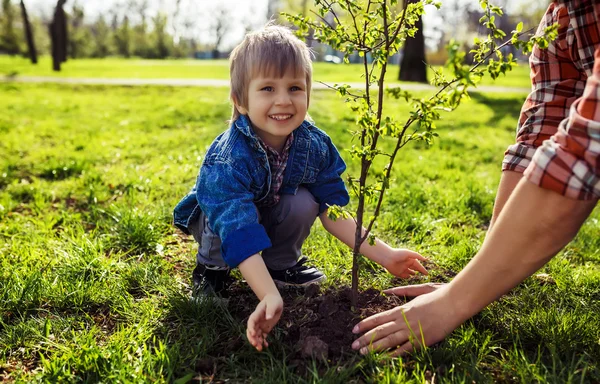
(302, 206)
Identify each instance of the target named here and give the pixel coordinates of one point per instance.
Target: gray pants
(287, 224)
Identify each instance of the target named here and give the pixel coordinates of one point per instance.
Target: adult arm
(556, 83)
(508, 183)
(560, 189)
(513, 250)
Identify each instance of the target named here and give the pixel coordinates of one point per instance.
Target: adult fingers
(414, 290)
(383, 337)
(402, 350)
(375, 320)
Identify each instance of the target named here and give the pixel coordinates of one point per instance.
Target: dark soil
(317, 324)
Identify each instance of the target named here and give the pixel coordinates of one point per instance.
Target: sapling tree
(376, 30)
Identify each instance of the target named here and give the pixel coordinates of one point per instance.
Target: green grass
(202, 69)
(94, 281)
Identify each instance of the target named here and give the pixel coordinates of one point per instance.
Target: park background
(94, 283)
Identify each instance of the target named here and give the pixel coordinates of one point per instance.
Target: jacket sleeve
(329, 188)
(224, 196)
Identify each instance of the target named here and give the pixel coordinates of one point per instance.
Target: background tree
(122, 38)
(163, 42)
(221, 24)
(414, 65)
(101, 34)
(28, 34)
(81, 43)
(9, 41)
(58, 35)
(141, 45)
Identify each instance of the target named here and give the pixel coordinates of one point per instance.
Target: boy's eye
(268, 89)
(295, 88)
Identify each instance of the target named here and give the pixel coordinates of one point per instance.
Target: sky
(245, 13)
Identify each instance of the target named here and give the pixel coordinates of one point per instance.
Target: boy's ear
(240, 109)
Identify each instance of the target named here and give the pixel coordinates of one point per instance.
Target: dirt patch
(317, 324)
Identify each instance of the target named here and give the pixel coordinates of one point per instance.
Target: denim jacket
(235, 174)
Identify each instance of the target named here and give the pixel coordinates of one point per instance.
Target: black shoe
(299, 275)
(210, 280)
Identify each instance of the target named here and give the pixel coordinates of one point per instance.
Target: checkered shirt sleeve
(569, 163)
(558, 77)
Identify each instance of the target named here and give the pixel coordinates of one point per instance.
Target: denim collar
(242, 123)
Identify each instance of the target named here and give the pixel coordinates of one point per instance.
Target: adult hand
(263, 319)
(403, 263)
(427, 320)
(414, 290)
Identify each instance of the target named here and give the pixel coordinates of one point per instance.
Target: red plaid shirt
(558, 135)
(277, 162)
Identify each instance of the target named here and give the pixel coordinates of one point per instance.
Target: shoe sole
(284, 284)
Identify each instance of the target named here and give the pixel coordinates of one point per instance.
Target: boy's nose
(283, 99)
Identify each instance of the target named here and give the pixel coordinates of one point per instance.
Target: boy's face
(276, 106)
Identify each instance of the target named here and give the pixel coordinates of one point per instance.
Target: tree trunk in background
(28, 35)
(58, 36)
(413, 66)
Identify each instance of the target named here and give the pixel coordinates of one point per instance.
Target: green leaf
(519, 27)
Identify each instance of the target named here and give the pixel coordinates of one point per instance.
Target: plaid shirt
(558, 135)
(277, 162)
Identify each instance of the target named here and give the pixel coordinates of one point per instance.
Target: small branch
(353, 17)
(323, 19)
(359, 44)
(330, 6)
(380, 90)
(396, 32)
(355, 96)
(507, 42)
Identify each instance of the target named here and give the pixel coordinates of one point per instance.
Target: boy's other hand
(404, 263)
(263, 319)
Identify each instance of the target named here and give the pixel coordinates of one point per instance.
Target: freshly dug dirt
(317, 324)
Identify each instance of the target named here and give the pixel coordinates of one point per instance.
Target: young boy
(264, 181)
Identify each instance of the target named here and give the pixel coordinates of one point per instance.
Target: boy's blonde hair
(270, 51)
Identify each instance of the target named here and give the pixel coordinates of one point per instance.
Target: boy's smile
(276, 106)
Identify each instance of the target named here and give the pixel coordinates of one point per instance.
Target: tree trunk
(58, 36)
(28, 35)
(413, 66)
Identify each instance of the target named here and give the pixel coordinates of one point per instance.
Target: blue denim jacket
(235, 175)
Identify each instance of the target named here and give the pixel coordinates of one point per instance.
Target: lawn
(202, 69)
(95, 282)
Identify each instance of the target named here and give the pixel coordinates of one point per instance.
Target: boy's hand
(263, 319)
(403, 263)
